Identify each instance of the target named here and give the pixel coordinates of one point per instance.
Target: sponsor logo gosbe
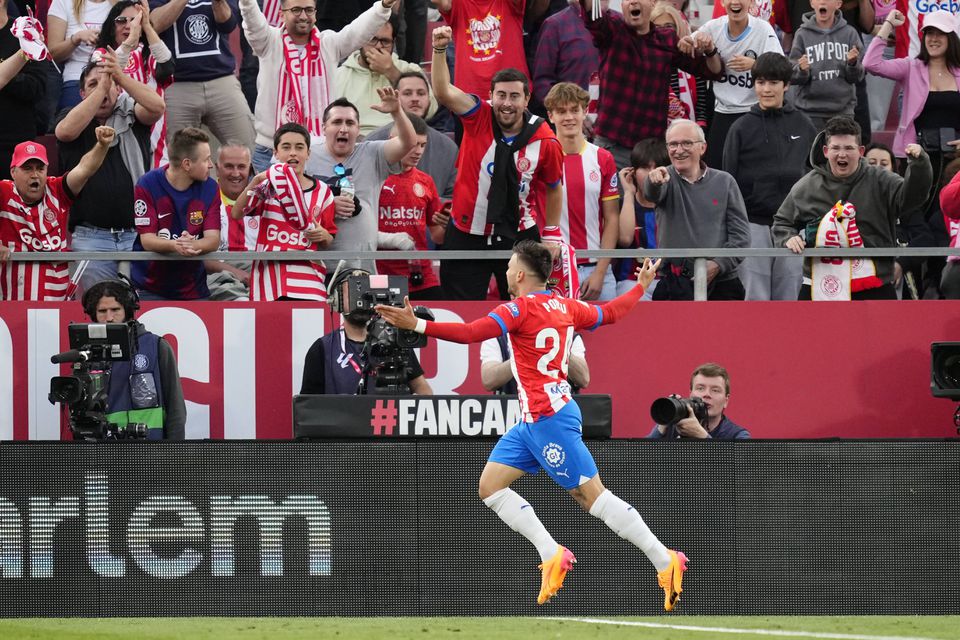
(286, 237)
(50, 243)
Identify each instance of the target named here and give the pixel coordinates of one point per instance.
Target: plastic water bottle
(346, 186)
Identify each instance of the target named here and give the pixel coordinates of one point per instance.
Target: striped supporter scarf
(564, 280)
(145, 72)
(271, 11)
(837, 278)
(303, 85)
(283, 185)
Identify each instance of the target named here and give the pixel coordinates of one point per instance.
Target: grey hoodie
(828, 87)
(878, 195)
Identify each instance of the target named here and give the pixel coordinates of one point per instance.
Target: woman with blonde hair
(688, 95)
(72, 30)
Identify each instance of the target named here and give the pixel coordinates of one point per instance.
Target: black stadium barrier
(461, 416)
(387, 528)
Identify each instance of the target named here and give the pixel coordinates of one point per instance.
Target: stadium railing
(699, 256)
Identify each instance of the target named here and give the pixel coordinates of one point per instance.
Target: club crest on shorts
(554, 455)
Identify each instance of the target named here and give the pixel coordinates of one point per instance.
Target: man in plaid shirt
(637, 60)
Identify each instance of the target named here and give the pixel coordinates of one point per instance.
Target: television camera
(93, 347)
(386, 348)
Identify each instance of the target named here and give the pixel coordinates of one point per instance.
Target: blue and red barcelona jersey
(167, 212)
(540, 328)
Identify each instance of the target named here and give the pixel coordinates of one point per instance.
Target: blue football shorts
(554, 444)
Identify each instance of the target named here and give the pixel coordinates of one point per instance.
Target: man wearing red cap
(33, 217)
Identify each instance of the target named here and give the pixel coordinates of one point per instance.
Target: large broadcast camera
(93, 347)
(672, 409)
(386, 348)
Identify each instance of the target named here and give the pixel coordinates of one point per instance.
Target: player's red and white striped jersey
(237, 235)
(540, 328)
(539, 163)
(589, 178)
(270, 280)
(42, 227)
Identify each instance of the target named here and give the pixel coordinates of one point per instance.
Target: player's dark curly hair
(535, 257)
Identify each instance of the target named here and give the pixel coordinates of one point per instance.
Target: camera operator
(709, 383)
(335, 363)
(146, 389)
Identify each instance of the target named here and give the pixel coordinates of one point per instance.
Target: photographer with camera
(146, 389)
(700, 416)
(346, 360)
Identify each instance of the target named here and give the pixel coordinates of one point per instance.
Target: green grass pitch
(658, 628)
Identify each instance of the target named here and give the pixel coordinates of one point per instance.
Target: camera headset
(120, 289)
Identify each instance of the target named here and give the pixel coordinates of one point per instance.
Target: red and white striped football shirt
(270, 280)
(41, 227)
(237, 235)
(589, 178)
(540, 328)
(539, 163)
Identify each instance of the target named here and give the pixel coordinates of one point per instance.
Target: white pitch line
(756, 632)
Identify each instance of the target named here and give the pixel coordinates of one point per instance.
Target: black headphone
(333, 289)
(120, 289)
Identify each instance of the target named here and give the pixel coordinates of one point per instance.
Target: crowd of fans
(183, 127)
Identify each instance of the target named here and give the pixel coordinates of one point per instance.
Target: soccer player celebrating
(540, 328)
(33, 217)
(297, 214)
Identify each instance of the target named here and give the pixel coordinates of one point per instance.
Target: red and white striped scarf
(593, 88)
(289, 194)
(302, 95)
(564, 279)
(688, 93)
(146, 72)
(271, 11)
(838, 278)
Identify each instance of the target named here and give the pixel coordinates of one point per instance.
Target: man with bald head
(696, 207)
(230, 280)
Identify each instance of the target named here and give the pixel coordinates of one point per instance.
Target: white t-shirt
(734, 91)
(92, 16)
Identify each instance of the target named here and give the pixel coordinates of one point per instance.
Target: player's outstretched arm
(476, 331)
(621, 305)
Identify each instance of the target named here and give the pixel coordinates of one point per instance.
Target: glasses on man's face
(308, 11)
(122, 20)
(382, 42)
(686, 145)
